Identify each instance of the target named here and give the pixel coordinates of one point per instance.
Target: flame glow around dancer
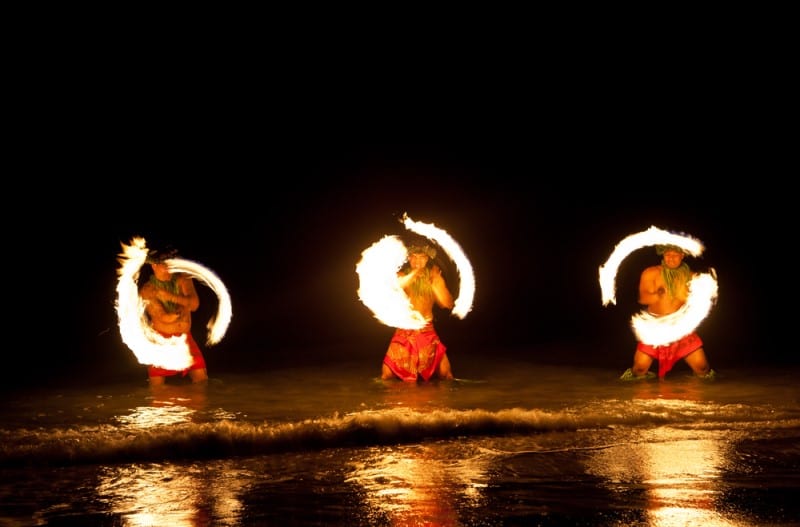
(379, 287)
(148, 345)
(466, 277)
(658, 331)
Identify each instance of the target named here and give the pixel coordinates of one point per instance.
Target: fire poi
(379, 287)
(650, 329)
(148, 345)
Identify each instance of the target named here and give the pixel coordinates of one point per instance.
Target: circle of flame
(379, 287)
(703, 289)
(149, 346)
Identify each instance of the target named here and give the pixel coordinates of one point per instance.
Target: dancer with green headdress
(664, 290)
(419, 353)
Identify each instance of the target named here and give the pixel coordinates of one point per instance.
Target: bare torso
(432, 291)
(654, 293)
(171, 313)
(424, 287)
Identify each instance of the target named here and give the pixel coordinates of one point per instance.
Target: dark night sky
(279, 198)
(285, 239)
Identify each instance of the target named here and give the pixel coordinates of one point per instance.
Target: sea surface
(508, 442)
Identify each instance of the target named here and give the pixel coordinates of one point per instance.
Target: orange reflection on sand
(170, 494)
(174, 494)
(679, 472)
(170, 405)
(420, 485)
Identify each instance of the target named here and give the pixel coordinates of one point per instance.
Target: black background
(278, 182)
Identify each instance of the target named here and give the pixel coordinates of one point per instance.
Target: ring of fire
(148, 345)
(379, 288)
(703, 288)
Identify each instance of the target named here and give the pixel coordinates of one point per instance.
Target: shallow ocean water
(509, 443)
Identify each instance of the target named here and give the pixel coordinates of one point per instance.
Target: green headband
(661, 249)
(423, 249)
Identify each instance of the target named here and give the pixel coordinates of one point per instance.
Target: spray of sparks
(149, 346)
(658, 331)
(379, 287)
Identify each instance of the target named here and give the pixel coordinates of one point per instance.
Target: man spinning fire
(170, 300)
(664, 290)
(415, 353)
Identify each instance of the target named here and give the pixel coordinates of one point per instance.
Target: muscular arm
(651, 287)
(444, 298)
(155, 309)
(187, 298)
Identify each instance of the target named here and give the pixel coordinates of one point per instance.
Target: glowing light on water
(144, 417)
(420, 485)
(174, 494)
(679, 474)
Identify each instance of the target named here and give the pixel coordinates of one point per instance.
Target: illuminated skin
(653, 294)
(442, 297)
(653, 289)
(177, 322)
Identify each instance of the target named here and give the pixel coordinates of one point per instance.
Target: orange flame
(379, 287)
(149, 346)
(658, 331)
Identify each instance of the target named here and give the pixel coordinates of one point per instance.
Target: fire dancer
(170, 298)
(664, 289)
(420, 352)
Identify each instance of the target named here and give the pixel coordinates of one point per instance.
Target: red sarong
(668, 354)
(414, 352)
(198, 361)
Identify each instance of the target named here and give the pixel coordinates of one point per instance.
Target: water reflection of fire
(174, 494)
(170, 405)
(679, 474)
(420, 484)
(178, 495)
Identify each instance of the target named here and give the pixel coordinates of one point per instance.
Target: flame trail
(652, 236)
(149, 346)
(379, 287)
(466, 278)
(658, 331)
(218, 325)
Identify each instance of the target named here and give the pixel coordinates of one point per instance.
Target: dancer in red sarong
(664, 289)
(170, 298)
(417, 353)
